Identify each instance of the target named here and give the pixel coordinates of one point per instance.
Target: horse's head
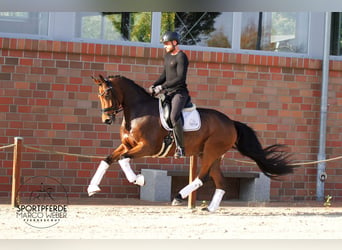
(110, 104)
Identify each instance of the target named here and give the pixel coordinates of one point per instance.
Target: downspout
(321, 174)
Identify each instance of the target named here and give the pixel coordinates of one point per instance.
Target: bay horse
(142, 135)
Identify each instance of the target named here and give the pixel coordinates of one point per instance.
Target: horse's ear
(95, 80)
(102, 78)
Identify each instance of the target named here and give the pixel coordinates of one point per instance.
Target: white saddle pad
(192, 119)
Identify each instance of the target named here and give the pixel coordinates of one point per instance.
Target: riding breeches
(178, 102)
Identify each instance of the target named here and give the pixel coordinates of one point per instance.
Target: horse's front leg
(136, 151)
(93, 187)
(130, 175)
(125, 152)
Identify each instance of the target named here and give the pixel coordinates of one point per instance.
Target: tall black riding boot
(179, 139)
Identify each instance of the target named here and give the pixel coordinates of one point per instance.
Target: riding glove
(155, 90)
(158, 89)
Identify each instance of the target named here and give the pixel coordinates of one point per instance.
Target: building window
(336, 34)
(265, 31)
(209, 29)
(116, 26)
(33, 23)
(275, 31)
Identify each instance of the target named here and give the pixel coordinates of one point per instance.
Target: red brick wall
(48, 98)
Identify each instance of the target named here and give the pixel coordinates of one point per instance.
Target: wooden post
(16, 170)
(192, 176)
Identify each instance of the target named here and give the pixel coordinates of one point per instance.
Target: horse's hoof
(176, 202)
(93, 189)
(140, 180)
(205, 209)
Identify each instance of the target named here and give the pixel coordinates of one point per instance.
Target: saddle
(190, 117)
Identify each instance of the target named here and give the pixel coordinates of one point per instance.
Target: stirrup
(180, 153)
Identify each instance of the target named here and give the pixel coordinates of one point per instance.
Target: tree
(133, 26)
(193, 27)
(219, 40)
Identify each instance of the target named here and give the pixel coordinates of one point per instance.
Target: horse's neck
(137, 104)
(134, 96)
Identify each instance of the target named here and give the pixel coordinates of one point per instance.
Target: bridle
(116, 106)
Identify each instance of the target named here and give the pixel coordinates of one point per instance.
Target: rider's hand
(158, 89)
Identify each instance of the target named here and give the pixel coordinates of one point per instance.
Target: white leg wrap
(190, 188)
(130, 175)
(215, 202)
(95, 181)
(126, 168)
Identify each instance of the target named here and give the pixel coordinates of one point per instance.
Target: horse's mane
(131, 82)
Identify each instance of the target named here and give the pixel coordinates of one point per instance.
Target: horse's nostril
(108, 121)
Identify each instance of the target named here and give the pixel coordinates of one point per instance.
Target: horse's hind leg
(184, 193)
(207, 163)
(216, 174)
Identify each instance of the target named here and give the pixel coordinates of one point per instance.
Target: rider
(173, 82)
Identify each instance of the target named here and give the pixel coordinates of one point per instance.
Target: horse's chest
(135, 130)
(131, 132)
(130, 139)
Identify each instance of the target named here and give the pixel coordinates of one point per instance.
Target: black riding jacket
(173, 77)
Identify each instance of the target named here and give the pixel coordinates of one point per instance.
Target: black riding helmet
(170, 36)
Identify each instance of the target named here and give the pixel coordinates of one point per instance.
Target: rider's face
(170, 46)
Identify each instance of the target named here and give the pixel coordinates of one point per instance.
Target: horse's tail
(272, 161)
